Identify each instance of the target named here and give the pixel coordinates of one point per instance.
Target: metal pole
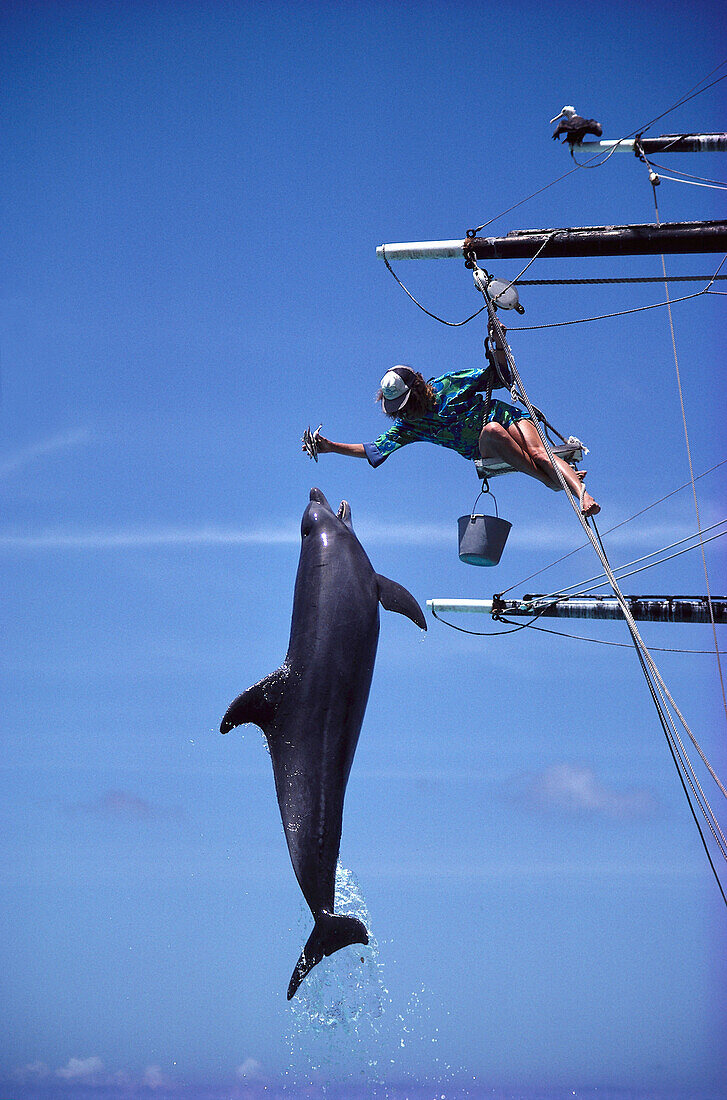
(667, 143)
(655, 609)
(648, 239)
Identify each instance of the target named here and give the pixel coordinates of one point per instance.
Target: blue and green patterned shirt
(455, 420)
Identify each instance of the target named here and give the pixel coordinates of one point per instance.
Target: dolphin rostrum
(312, 707)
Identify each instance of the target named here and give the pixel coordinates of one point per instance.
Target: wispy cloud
(85, 1071)
(250, 1069)
(122, 806)
(140, 539)
(431, 535)
(91, 1074)
(12, 464)
(575, 790)
(34, 1071)
(153, 1078)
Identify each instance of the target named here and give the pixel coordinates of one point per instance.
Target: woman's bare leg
(526, 430)
(520, 446)
(496, 442)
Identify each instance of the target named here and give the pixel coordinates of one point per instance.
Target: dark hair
(421, 400)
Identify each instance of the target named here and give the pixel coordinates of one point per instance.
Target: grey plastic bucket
(482, 539)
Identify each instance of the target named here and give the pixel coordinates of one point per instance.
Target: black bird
(574, 127)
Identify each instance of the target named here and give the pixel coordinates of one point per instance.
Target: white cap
(396, 387)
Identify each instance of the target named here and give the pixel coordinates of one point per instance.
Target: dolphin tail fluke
(394, 597)
(331, 932)
(258, 704)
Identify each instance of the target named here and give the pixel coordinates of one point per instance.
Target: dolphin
(311, 708)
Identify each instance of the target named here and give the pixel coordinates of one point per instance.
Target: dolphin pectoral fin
(331, 932)
(394, 597)
(257, 705)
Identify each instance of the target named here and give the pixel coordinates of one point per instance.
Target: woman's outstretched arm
(327, 446)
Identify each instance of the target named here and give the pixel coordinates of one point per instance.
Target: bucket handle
(487, 491)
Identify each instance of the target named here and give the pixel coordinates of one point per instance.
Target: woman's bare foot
(589, 507)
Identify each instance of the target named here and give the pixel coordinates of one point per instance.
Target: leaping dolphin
(312, 707)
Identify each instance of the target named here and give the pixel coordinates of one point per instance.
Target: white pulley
(502, 294)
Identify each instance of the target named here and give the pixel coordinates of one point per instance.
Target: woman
(450, 411)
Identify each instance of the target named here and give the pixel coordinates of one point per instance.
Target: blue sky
(193, 195)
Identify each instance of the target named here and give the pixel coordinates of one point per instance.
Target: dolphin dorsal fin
(394, 597)
(258, 704)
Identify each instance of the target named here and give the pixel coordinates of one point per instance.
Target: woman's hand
(323, 444)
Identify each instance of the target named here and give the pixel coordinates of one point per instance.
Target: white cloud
(35, 451)
(155, 1079)
(149, 539)
(524, 537)
(121, 806)
(575, 790)
(34, 1071)
(86, 1070)
(250, 1068)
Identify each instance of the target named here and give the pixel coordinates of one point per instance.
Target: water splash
(342, 1022)
(347, 988)
(339, 1009)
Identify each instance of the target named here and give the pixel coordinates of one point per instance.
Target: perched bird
(574, 127)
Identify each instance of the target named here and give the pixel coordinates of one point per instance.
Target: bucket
(482, 538)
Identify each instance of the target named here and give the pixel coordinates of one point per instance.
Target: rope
(547, 240)
(596, 641)
(651, 672)
(634, 279)
(686, 97)
(663, 690)
(458, 324)
(689, 455)
(679, 764)
(623, 312)
(616, 526)
(481, 633)
(636, 561)
(694, 183)
(640, 130)
(678, 172)
(452, 324)
(623, 576)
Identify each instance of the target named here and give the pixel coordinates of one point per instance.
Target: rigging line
(687, 97)
(624, 280)
(678, 763)
(606, 316)
(527, 199)
(601, 641)
(636, 561)
(458, 324)
(452, 325)
(480, 633)
(678, 172)
(645, 655)
(674, 740)
(657, 676)
(586, 164)
(694, 183)
(512, 282)
(689, 456)
(594, 538)
(623, 576)
(614, 528)
(555, 598)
